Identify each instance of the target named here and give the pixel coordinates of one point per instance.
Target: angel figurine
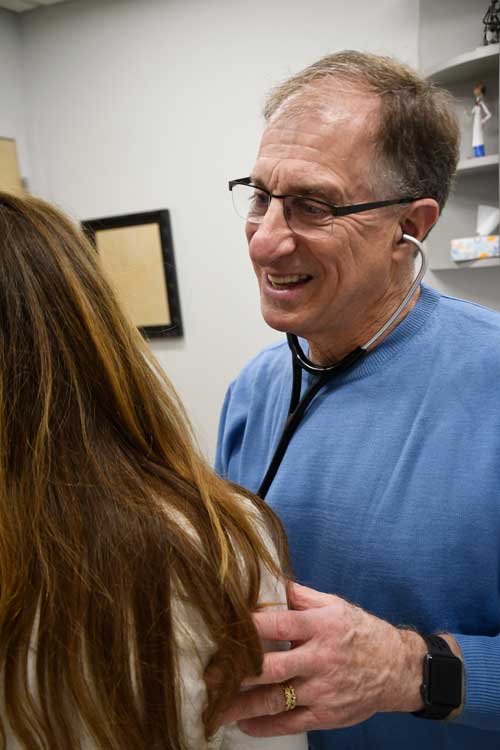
(480, 114)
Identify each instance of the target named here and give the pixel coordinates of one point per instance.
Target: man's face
(347, 275)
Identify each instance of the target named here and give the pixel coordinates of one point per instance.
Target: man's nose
(272, 238)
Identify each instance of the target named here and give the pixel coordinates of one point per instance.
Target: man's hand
(344, 665)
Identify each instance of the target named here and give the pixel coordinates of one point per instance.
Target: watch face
(445, 680)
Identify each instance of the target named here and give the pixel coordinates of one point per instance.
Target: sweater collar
(398, 339)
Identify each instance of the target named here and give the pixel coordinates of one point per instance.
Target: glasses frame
(355, 208)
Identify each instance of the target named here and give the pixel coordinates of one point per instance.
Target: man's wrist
(403, 677)
(406, 689)
(413, 651)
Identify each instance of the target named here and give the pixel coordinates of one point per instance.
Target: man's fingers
(302, 597)
(283, 625)
(280, 666)
(261, 701)
(292, 722)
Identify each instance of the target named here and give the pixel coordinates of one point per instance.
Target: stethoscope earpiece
(409, 294)
(406, 238)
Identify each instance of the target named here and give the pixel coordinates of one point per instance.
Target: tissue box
(472, 248)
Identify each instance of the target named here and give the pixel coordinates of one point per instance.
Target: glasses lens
(307, 216)
(250, 203)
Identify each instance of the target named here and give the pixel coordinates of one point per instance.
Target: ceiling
(19, 6)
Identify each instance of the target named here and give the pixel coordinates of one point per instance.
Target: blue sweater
(390, 496)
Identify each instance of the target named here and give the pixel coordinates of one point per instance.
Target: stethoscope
(325, 373)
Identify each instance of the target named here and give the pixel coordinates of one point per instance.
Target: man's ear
(418, 219)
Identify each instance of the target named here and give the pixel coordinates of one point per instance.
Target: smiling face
(332, 290)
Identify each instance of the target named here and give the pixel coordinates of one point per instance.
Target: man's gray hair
(417, 131)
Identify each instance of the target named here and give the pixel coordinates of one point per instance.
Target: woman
(126, 566)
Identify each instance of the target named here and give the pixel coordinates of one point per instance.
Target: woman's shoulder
(273, 582)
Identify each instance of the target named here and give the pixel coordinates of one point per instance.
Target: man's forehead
(329, 102)
(287, 142)
(317, 123)
(320, 141)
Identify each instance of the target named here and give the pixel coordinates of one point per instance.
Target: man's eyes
(311, 207)
(259, 199)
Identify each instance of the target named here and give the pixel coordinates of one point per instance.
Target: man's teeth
(278, 281)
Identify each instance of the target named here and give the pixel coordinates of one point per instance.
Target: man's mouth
(286, 282)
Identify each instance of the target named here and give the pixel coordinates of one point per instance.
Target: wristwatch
(442, 683)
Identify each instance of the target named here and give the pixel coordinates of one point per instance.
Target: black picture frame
(173, 326)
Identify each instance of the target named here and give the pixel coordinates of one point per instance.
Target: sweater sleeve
(223, 451)
(482, 681)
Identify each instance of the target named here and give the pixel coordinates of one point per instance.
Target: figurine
(481, 114)
(491, 22)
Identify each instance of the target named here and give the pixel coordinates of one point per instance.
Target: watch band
(442, 680)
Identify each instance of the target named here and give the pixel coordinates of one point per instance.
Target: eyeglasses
(305, 216)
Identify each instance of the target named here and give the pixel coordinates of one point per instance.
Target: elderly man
(388, 484)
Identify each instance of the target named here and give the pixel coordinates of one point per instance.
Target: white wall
(140, 105)
(448, 28)
(12, 95)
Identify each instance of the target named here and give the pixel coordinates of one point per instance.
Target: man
(389, 488)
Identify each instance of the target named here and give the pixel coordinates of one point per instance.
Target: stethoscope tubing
(325, 373)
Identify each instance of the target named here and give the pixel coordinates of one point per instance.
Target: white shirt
(195, 653)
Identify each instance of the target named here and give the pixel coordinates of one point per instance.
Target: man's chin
(273, 319)
(282, 323)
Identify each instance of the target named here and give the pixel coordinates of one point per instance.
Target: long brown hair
(107, 511)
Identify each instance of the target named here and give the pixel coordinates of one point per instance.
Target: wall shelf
(480, 63)
(479, 164)
(460, 215)
(466, 265)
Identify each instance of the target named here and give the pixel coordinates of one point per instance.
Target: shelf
(450, 265)
(479, 63)
(478, 164)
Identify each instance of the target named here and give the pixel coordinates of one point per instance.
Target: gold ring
(290, 696)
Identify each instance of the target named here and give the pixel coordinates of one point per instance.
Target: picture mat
(10, 177)
(132, 261)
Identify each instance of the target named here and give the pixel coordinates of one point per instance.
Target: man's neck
(327, 350)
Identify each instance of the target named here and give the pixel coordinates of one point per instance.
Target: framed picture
(137, 257)
(10, 176)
